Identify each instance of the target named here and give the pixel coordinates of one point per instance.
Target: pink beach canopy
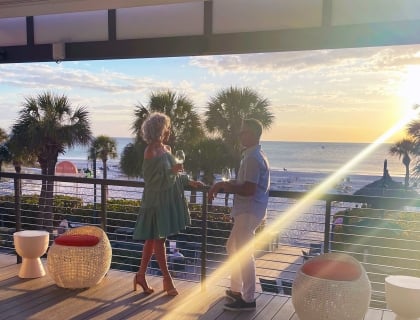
(66, 168)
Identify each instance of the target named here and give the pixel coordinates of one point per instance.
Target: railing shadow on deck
(384, 241)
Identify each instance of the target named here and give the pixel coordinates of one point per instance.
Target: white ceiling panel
(160, 21)
(71, 27)
(250, 15)
(12, 32)
(22, 8)
(345, 12)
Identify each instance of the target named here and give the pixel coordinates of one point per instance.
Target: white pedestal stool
(31, 245)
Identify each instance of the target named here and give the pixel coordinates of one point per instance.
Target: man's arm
(245, 189)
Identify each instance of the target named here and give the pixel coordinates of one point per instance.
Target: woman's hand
(177, 168)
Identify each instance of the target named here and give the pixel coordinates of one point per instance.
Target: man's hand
(196, 184)
(215, 189)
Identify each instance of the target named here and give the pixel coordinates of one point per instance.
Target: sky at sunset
(346, 95)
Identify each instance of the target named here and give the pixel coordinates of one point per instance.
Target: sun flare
(187, 310)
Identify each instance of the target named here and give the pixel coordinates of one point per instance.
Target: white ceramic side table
(402, 295)
(31, 245)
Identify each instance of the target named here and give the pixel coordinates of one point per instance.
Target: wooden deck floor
(114, 299)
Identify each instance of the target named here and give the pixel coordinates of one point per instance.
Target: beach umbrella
(385, 187)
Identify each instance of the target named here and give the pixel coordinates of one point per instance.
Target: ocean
(295, 165)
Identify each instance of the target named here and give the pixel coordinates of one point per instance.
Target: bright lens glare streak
(195, 301)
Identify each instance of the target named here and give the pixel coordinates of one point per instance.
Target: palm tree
(132, 158)
(227, 110)
(104, 148)
(185, 125)
(5, 155)
(46, 126)
(19, 155)
(209, 155)
(3, 135)
(4, 150)
(403, 149)
(413, 130)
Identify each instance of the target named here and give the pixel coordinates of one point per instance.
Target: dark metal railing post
(327, 225)
(95, 212)
(204, 213)
(103, 205)
(1, 215)
(18, 205)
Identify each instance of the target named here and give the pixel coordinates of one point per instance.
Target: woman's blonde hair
(154, 126)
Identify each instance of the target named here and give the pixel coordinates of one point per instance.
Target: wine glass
(179, 156)
(226, 174)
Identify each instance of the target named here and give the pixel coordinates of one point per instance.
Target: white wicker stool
(75, 261)
(331, 286)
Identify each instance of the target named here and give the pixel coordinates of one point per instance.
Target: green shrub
(389, 237)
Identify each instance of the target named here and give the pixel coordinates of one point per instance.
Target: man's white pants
(242, 277)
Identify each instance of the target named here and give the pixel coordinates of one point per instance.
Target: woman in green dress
(163, 210)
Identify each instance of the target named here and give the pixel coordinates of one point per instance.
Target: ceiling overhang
(24, 8)
(48, 30)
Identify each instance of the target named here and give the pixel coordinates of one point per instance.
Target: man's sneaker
(233, 295)
(240, 305)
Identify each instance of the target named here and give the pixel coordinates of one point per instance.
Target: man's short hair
(254, 125)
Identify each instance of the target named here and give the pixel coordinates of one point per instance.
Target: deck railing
(384, 241)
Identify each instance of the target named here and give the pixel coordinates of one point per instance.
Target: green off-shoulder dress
(163, 209)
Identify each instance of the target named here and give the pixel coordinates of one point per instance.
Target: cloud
(64, 78)
(357, 59)
(106, 93)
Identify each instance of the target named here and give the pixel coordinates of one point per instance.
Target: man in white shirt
(249, 208)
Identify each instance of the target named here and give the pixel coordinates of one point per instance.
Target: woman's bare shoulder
(154, 152)
(149, 152)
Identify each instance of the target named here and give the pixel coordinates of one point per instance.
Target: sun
(407, 95)
(410, 86)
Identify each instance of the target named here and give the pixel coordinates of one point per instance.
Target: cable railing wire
(384, 241)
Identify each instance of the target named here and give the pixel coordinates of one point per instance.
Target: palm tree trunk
(105, 173)
(407, 176)
(49, 196)
(47, 189)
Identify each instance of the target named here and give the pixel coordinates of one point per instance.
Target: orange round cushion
(332, 270)
(77, 240)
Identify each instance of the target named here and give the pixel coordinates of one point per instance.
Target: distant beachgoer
(163, 210)
(63, 226)
(338, 222)
(88, 173)
(176, 256)
(249, 209)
